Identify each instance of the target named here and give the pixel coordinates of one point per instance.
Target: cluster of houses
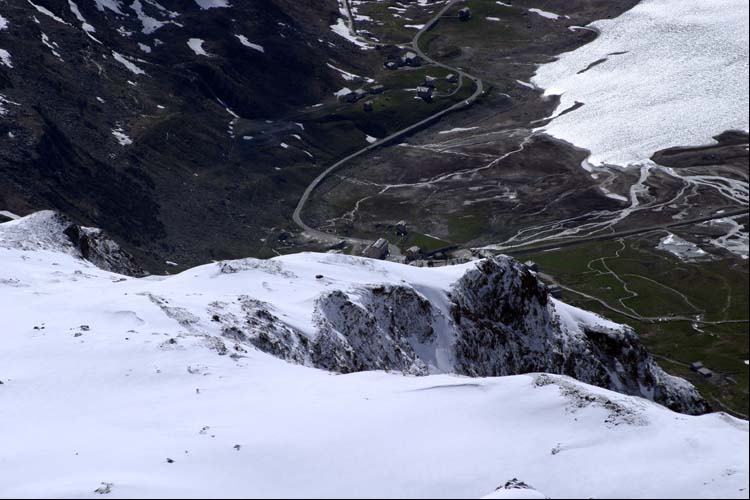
(425, 91)
(361, 94)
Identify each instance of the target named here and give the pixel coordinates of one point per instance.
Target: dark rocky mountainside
(162, 121)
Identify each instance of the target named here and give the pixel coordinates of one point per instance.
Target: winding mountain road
(332, 238)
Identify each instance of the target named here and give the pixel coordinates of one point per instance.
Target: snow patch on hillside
(196, 45)
(5, 58)
(113, 5)
(43, 10)
(342, 29)
(247, 43)
(129, 65)
(213, 4)
(675, 74)
(122, 137)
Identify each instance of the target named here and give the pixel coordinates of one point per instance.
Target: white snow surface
(3, 23)
(122, 137)
(113, 5)
(247, 43)
(196, 45)
(213, 4)
(676, 75)
(43, 10)
(342, 29)
(100, 385)
(129, 65)
(5, 58)
(546, 14)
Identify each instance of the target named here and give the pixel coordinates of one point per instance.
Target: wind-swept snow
(676, 73)
(3, 23)
(117, 384)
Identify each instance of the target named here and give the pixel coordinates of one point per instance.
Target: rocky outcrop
(515, 489)
(375, 333)
(495, 319)
(100, 250)
(258, 325)
(506, 324)
(49, 230)
(500, 321)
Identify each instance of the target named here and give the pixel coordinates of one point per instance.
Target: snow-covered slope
(666, 73)
(349, 314)
(155, 385)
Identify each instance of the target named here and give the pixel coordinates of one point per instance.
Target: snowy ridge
(349, 314)
(173, 386)
(51, 232)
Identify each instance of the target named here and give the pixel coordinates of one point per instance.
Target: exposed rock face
(101, 251)
(48, 230)
(503, 323)
(373, 334)
(258, 326)
(506, 325)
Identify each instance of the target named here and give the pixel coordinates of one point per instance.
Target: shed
(369, 106)
(430, 81)
(411, 59)
(356, 96)
(464, 14)
(425, 93)
(452, 78)
(377, 89)
(696, 365)
(413, 253)
(378, 250)
(705, 372)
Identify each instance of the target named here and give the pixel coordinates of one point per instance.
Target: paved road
(332, 238)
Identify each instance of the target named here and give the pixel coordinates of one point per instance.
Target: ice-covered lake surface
(676, 74)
